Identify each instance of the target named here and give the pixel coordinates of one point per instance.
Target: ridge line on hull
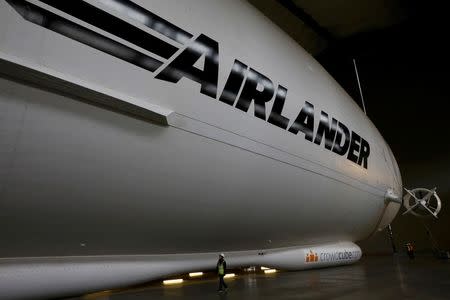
(276, 249)
(46, 78)
(172, 124)
(281, 150)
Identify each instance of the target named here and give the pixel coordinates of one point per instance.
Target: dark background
(404, 77)
(401, 51)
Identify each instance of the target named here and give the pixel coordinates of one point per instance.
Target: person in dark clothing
(410, 250)
(221, 268)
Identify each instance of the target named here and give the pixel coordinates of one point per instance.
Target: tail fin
(422, 202)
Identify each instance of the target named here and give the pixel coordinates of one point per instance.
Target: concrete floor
(383, 277)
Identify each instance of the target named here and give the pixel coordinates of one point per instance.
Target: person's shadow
(223, 295)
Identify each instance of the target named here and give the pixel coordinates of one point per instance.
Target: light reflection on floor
(373, 278)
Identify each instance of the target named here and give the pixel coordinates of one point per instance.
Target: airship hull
(226, 138)
(80, 174)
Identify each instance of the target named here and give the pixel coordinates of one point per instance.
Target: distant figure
(221, 269)
(410, 250)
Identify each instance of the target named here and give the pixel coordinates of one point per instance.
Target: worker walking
(221, 269)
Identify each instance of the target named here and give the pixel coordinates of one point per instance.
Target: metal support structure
(433, 242)
(359, 85)
(391, 237)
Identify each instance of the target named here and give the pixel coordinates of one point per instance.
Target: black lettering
(183, 65)
(342, 132)
(69, 29)
(276, 118)
(147, 18)
(304, 122)
(364, 154)
(251, 93)
(326, 128)
(109, 23)
(354, 147)
(234, 83)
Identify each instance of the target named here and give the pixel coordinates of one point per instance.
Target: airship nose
(393, 195)
(394, 172)
(398, 185)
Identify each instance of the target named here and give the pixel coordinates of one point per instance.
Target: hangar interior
(400, 51)
(399, 48)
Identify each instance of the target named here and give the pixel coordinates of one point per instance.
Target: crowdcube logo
(339, 256)
(311, 257)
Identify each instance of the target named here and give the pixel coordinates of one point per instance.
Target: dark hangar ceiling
(319, 24)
